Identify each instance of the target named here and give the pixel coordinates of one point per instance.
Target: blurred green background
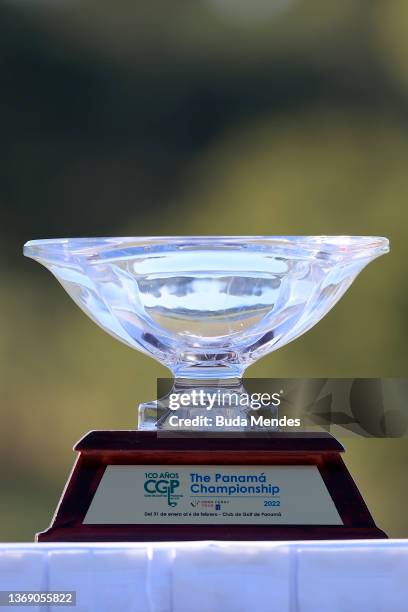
(205, 117)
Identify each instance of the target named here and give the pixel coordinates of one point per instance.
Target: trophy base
(141, 486)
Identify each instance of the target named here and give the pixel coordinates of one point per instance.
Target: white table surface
(348, 576)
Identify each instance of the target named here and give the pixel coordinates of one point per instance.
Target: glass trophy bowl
(206, 307)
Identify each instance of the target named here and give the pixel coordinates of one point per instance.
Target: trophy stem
(215, 368)
(180, 383)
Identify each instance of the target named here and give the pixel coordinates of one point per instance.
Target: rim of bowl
(340, 246)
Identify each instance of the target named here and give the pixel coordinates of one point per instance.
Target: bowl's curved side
(81, 286)
(321, 301)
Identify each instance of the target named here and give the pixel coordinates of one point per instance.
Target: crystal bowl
(207, 306)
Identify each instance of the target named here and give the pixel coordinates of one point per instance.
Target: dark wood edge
(79, 492)
(144, 440)
(171, 533)
(344, 492)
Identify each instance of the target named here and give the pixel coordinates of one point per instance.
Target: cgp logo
(162, 485)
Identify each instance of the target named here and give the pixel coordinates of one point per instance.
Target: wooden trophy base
(141, 486)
